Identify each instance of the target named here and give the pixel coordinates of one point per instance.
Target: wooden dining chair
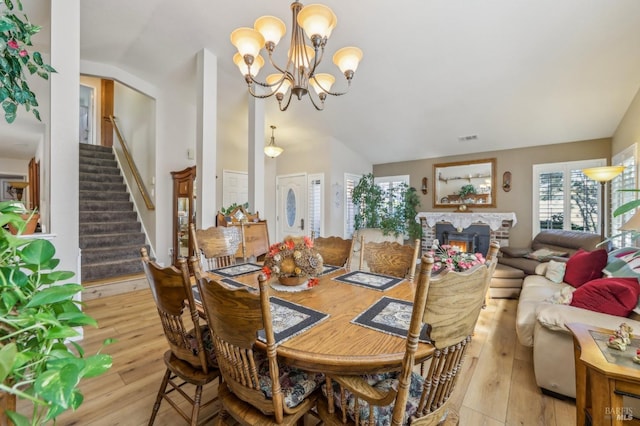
(335, 251)
(450, 305)
(256, 389)
(187, 361)
(491, 262)
(390, 258)
(216, 246)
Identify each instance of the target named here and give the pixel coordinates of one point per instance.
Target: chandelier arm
(253, 93)
(287, 104)
(316, 61)
(319, 108)
(273, 64)
(332, 93)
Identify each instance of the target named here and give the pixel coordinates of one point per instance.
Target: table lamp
(603, 175)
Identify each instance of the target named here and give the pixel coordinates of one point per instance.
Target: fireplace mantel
(464, 220)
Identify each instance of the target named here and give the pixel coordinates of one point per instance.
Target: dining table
(338, 342)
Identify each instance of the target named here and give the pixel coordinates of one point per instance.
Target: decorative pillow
(543, 254)
(562, 297)
(584, 266)
(624, 262)
(555, 271)
(613, 296)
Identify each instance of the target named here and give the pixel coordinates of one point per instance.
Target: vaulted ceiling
(514, 73)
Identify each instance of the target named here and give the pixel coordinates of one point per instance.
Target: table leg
(602, 412)
(581, 385)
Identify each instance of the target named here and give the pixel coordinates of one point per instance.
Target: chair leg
(196, 406)
(156, 405)
(222, 417)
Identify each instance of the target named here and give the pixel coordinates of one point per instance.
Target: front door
(292, 205)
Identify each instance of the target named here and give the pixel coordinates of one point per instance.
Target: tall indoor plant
(393, 210)
(15, 40)
(38, 316)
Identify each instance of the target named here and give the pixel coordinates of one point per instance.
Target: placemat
(327, 269)
(391, 316)
(232, 283)
(369, 280)
(290, 319)
(237, 270)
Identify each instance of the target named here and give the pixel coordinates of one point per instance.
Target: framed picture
(5, 195)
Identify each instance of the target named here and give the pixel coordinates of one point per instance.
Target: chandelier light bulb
(317, 20)
(322, 82)
(273, 80)
(271, 28)
(347, 59)
(258, 63)
(248, 42)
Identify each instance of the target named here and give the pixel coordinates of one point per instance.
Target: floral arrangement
(293, 258)
(447, 257)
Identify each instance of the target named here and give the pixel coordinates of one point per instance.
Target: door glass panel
(291, 207)
(183, 227)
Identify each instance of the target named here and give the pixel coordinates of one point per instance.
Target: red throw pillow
(584, 266)
(613, 296)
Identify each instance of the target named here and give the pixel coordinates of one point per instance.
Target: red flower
(290, 244)
(308, 242)
(12, 44)
(313, 282)
(23, 53)
(267, 271)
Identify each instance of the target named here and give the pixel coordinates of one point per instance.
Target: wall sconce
(425, 185)
(506, 181)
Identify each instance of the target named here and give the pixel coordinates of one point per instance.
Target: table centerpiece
(293, 261)
(447, 257)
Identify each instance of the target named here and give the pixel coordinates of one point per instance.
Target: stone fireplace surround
(499, 223)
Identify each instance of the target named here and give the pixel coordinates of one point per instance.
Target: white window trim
(554, 167)
(311, 178)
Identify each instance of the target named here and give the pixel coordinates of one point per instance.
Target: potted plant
(466, 190)
(38, 316)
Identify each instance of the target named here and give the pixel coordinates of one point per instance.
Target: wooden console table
(603, 377)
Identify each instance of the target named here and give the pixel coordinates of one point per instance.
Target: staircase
(110, 234)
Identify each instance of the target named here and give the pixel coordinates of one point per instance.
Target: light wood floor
(499, 388)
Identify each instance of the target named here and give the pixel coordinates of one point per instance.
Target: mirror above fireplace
(465, 183)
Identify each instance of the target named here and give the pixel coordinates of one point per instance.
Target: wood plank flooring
(498, 388)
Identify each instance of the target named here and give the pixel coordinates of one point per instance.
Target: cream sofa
(541, 325)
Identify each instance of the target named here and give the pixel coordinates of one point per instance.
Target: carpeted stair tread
(96, 228)
(109, 206)
(103, 196)
(90, 177)
(101, 254)
(107, 216)
(91, 168)
(98, 186)
(112, 269)
(111, 240)
(99, 162)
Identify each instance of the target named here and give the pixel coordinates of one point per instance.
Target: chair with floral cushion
(256, 388)
(449, 304)
(390, 258)
(215, 246)
(190, 358)
(335, 251)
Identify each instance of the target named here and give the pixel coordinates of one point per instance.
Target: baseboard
(112, 287)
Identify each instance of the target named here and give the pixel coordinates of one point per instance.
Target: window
(627, 180)
(350, 181)
(566, 198)
(316, 203)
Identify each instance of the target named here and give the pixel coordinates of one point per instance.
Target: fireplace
(473, 239)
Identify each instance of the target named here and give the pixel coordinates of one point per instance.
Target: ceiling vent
(468, 138)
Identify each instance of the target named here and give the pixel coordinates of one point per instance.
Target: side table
(603, 377)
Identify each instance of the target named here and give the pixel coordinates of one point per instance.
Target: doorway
(87, 115)
(291, 205)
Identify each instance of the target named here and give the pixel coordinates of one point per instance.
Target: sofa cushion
(514, 251)
(545, 254)
(535, 290)
(568, 241)
(554, 317)
(623, 262)
(613, 296)
(584, 266)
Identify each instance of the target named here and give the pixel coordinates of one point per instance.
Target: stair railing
(132, 165)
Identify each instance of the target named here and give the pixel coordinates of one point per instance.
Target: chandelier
(317, 21)
(272, 150)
